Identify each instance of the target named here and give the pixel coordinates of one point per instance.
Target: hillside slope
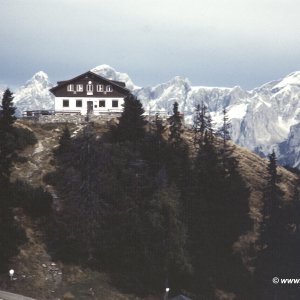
(262, 119)
(38, 276)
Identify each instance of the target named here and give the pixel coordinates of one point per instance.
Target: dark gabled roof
(120, 83)
(112, 82)
(61, 82)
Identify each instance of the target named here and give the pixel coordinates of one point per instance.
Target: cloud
(218, 42)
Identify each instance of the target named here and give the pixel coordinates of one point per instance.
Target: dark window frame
(66, 103)
(78, 103)
(102, 102)
(115, 103)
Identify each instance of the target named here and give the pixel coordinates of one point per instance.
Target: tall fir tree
(224, 133)
(131, 126)
(218, 217)
(165, 240)
(202, 124)
(176, 128)
(272, 232)
(177, 161)
(7, 111)
(10, 235)
(7, 137)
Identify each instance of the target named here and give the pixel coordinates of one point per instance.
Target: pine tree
(219, 216)
(10, 235)
(154, 149)
(131, 126)
(176, 128)
(7, 111)
(272, 202)
(159, 128)
(85, 205)
(177, 159)
(7, 137)
(224, 131)
(202, 124)
(272, 231)
(165, 239)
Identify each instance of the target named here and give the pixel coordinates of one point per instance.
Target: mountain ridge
(262, 118)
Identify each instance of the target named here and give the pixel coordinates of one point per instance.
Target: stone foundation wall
(75, 119)
(80, 119)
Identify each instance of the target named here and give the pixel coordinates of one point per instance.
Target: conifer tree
(7, 111)
(176, 128)
(272, 232)
(272, 202)
(224, 132)
(7, 138)
(165, 239)
(83, 167)
(159, 127)
(202, 124)
(222, 201)
(177, 160)
(131, 126)
(10, 235)
(154, 148)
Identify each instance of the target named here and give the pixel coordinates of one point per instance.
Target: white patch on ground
(39, 148)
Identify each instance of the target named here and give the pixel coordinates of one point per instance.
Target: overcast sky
(212, 42)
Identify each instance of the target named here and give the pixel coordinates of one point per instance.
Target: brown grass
(36, 277)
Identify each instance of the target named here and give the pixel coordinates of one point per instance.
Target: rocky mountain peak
(110, 73)
(262, 118)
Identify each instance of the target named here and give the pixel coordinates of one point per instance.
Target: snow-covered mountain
(264, 118)
(34, 95)
(110, 73)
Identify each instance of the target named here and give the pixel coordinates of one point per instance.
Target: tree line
(150, 209)
(15, 194)
(156, 211)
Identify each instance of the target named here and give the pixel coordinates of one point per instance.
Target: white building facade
(89, 93)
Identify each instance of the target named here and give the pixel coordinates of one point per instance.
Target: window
(95, 106)
(100, 88)
(70, 88)
(115, 103)
(78, 103)
(89, 88)
(65, 103)
(101, 103)
(79, 88)
(109, 88)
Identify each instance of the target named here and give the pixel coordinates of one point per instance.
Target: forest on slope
(157, 206)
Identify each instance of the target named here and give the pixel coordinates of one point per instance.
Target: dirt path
(11, 296)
